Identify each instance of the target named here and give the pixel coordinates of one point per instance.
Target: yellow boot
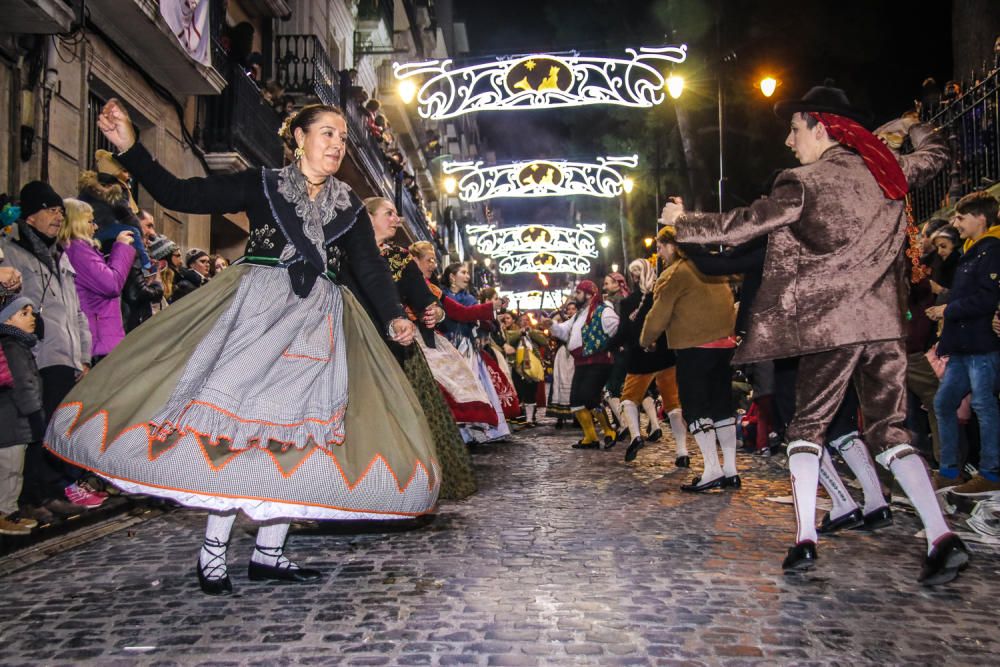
(586, 421)
(609, 433)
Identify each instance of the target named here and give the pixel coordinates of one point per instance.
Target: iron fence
(971, 123)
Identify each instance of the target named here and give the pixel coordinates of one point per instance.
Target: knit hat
(38, 195)
(162, 247)
(11, 302)
(193, 255)
(106, 163)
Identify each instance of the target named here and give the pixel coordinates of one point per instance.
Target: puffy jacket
(21, 405)
(67, 334)
(100, 285)
(138, 297)
(973, 299)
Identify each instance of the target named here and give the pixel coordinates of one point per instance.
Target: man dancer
(587, 335)
(831, 294)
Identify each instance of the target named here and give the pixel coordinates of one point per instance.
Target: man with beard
(587, 335)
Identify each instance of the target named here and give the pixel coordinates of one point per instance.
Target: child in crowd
(20, 406)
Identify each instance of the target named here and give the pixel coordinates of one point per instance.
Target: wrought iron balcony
(240, 126)
(971, 124)
(412, 214)
(371, 12)
(368, 151)
(304, 67)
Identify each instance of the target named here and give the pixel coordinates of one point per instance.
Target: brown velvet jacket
(835, 272)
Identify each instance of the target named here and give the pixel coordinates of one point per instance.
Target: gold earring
(299, 153)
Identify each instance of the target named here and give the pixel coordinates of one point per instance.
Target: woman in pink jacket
(99, 282)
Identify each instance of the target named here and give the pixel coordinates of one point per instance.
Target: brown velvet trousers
(878, 371)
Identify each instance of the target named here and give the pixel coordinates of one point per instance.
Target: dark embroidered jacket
(350, 240)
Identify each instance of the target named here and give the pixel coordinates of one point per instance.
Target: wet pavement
(564, 557)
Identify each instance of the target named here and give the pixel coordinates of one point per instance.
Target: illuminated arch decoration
(536, 299)
(540, 178)
(537, 248)
(543, 81)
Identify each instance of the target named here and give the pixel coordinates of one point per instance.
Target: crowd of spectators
(76, 275)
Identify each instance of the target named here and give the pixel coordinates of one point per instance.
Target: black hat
(824, 99)
(38, 195)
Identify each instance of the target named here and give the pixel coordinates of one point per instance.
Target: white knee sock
(859, 460)
(843, 503)
(911, 473)
(725, 433)
(631, 413)
(615, 404)
(212, 557)
(529, 412)
(704, 435)
(803, 464)
(679, 429)
(649, 407)
(270, 547)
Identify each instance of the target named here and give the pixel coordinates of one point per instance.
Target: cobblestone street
(563, 558)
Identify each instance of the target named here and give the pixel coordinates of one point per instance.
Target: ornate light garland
(540, 178)
(536, 299)
(538, 248)
(542, 81)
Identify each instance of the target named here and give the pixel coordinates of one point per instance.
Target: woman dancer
(267, 390)
(457, 478)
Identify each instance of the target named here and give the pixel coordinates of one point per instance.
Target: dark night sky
(878, 51)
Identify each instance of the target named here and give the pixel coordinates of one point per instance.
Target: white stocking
(615, 404)
(679, 429)
(911, 473)
(649, 407)
(529, 412)
(270, 547)
(857, 458)
(725, 433)
(803, 464)
(704, 435)
(212, 557)
(631, 413)
(843, 503)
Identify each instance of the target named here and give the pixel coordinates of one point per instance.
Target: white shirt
(572, 331)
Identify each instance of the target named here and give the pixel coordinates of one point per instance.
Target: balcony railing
(304, 67)
(370, 153)
(412, 213)
(972, 125)
(239, 120)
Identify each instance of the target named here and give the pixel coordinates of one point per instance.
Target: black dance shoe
(697, 486)
(876, 519)
(633, 449)
(948, 557)
(732, 482)
(683, 461)
(655, 435)
(608, 442)
(259, 572)
(213, 586)
(621, 435)
(587, 445)
(851, 520)
(800, 558)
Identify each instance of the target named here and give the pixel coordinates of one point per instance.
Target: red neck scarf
(878, 158)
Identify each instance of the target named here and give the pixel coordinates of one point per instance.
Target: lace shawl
(314, 214)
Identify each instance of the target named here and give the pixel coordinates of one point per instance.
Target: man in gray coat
(63, 350)
(834, 293)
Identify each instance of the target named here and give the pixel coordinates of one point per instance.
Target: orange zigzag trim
(74, 425)
(329, 321)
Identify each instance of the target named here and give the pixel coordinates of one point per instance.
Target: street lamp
(675, 85)
(450, 185)
(407, 90)
(628, 184)
(605, 241)
(768, 85)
